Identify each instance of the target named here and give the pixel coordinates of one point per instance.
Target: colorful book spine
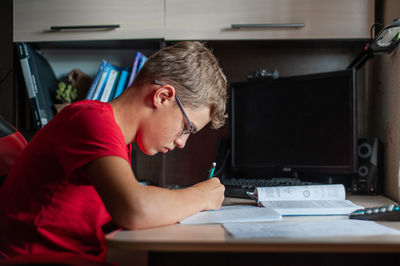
(123, 78)
(142, 61)
(135, 66)
(92, 88)
(102, 82)
(110, 84)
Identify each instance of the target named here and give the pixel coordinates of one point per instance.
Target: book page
(237, 213)
(309, 204)
(312, 192)
(312, 207)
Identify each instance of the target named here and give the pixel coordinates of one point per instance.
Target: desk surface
(214, 238)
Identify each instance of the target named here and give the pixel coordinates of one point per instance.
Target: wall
(383, 98)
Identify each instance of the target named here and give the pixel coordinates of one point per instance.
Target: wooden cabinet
(268, 19)
(51, 20)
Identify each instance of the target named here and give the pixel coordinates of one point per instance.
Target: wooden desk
(206, 244)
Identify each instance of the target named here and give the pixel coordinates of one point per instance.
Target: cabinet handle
(85, 27)
(266, 26)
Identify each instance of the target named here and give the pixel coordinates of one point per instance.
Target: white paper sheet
(238, 213)
(308, 229)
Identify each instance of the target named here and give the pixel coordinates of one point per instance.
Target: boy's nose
(181, 141)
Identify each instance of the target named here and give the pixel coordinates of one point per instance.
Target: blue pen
(212, 169)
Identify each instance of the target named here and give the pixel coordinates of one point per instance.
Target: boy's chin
(150, 152)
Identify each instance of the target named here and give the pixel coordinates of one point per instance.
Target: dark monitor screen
(301, 125)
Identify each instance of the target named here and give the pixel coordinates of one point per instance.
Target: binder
(92, 88)
(110, 84)
(102, 82)
(40, 81)
(142, 61)
(122, 82)
(135, 66)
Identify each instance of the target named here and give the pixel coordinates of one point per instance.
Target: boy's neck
(127, 113)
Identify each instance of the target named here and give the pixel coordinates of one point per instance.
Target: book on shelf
(305, 200)
(134, 68)
(102, 82)
(122, 82)
(96, 79)
(139, 61)
(110, 84)
(40, 81)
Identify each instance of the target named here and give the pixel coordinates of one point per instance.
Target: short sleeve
(86, 134)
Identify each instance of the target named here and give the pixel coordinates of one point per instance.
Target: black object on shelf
(263, 74)
(385, 42)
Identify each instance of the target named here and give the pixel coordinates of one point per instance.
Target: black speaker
(369, 176)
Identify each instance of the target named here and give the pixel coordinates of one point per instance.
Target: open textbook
(305, 200)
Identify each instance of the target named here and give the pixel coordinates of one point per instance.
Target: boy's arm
(134, 206)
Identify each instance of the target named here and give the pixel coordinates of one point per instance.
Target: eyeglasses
(189, 127)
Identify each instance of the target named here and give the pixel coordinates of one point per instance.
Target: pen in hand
(212, 169)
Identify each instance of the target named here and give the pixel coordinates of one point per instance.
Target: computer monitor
(300, 126)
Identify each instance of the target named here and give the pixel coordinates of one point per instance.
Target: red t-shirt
(47, 203)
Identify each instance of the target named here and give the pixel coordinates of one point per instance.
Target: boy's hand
(212, 191)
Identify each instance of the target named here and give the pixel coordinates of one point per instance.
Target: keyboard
(238, 187)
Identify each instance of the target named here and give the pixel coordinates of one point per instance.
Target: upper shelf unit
(76, 20)
(268, 19)
(73, 20)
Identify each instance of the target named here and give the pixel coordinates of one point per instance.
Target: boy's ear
(164, 95)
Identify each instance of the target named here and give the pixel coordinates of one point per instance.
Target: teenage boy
(75, 174)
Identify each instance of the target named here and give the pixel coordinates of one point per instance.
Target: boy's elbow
(130, 224)
(135, 218)
(135, 222)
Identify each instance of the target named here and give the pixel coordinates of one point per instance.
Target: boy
(76, 173)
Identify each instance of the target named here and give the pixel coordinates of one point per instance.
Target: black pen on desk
(212, 169)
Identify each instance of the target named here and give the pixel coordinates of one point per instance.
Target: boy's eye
(187, 129)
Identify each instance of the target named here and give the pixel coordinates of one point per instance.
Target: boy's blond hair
(194, 72)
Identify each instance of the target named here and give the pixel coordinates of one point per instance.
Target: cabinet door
(268, 19)
(63, 20)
